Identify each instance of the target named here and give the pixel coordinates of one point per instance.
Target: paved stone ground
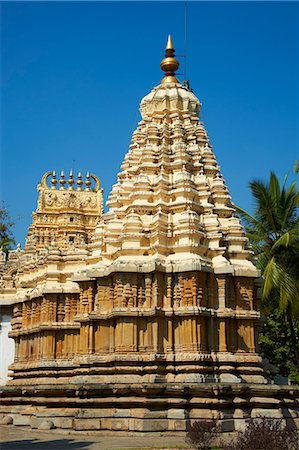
(21, 438)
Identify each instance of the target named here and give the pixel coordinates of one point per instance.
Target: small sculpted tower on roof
(67, 212)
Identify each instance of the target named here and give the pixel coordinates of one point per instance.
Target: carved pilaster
(49, 345)
(222, 336)
(148, 290)
(84, 338)
(86, 298)
(168, 298)
(61, 309)
(91, 340)
(67, 309)
(112, 336)
(221, 282)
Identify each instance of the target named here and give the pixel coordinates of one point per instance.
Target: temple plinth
(153, 302)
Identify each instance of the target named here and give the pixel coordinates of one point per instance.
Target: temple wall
(182, 314)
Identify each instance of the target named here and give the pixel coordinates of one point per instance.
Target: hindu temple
(144, 317)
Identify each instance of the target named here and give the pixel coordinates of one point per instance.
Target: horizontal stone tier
(142, 367)
(190, 358)
(136, 407)
(44, 327)
(246, 392)
(190, 311)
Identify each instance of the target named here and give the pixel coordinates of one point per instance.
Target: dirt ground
(21, 438)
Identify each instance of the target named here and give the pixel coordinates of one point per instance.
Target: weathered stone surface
(122, 413)
(229, 378)
(176, 414)
(63, 422)
(7, 420)
(155, 425)
(46, 425)
(177, 425)
(21, 420)
(87, 424)
(35, 421)
(263, 412)
(95, 413)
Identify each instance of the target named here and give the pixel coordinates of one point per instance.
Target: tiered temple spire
(171, 205)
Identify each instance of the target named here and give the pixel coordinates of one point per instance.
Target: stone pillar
(49, 342)
(211, 334)
(168, 292)
(58, 339)
(91, 339)
(195, 336)
(148, 290)
(112, 337)
(84, 338)
(221, 282)
(169, 347)
(67, 316)
(155, 330)
(90, 299)
(222, 336)
(252, 337)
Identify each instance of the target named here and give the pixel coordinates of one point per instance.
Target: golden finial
(71, 181)
(79, 182)
(169, 45)
(87, 181)
(53, 180)
(62, 180)
(169, 64)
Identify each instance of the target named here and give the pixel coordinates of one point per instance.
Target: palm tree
(273, 231)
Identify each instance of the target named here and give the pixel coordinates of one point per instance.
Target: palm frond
(273, 231)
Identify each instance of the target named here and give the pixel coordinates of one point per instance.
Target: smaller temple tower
(67, 211)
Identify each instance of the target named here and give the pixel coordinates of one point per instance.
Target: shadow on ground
(36, 444)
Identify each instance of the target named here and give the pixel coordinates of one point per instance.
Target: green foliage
(274, 342)
(6, 224)
(273, 231)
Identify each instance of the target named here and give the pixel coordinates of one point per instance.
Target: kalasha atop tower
(156, 326)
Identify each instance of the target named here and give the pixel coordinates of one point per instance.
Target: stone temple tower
(163, 331)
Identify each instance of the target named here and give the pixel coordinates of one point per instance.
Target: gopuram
(143, 318)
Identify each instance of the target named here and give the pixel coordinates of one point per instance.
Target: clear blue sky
(73, 75)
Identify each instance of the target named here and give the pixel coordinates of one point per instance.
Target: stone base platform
(152, 407)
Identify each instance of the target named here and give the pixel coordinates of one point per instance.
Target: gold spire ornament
(169, 64)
